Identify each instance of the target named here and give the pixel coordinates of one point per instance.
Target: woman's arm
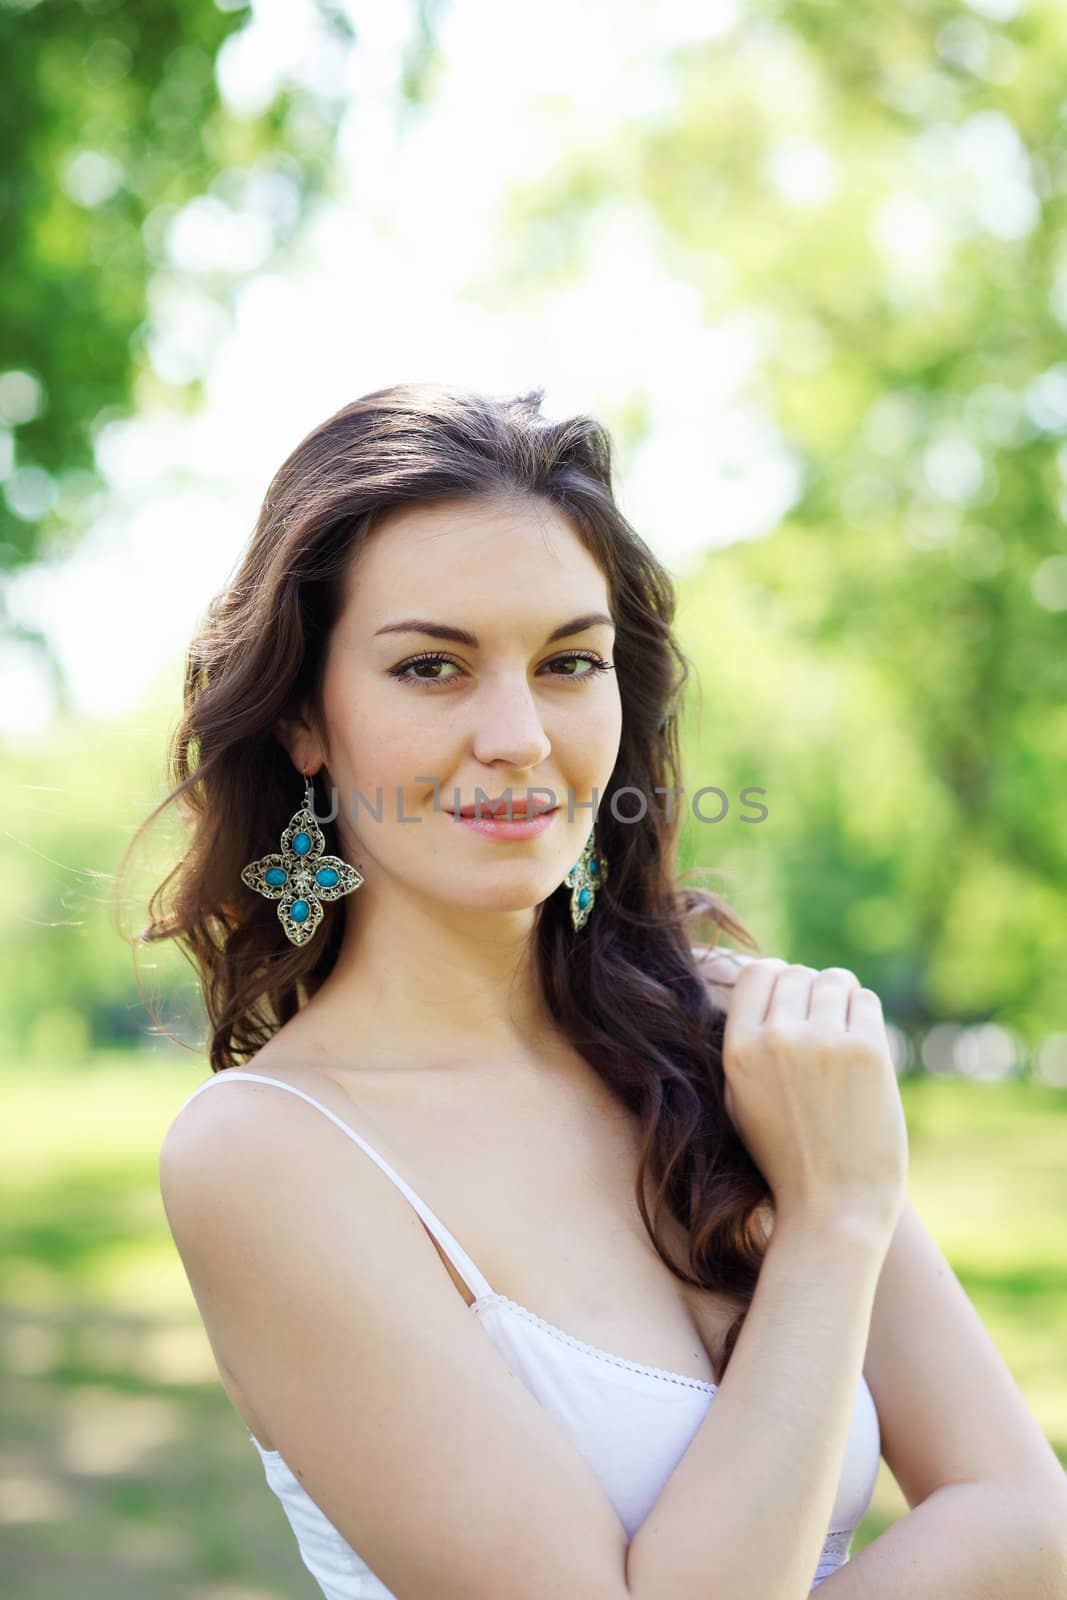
(966, 1541)
(747, 1509)
(988, 1498)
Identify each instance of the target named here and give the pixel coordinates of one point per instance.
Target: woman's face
(432, 720)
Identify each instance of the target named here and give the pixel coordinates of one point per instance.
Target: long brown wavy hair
(627, 990)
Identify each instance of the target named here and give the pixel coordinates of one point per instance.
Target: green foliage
(72, 800)
(111, 121)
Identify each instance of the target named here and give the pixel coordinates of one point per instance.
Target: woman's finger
(792, 989)
(865, 1013)
(830, 991)
(750, 995)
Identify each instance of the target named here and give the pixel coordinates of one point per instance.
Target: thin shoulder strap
(477, 1283)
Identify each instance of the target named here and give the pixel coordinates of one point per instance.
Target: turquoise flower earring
(299, 876)
(584, 879)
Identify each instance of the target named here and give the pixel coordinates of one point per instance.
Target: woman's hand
(811, 1090)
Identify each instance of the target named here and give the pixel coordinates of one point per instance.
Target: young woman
(542, 1251)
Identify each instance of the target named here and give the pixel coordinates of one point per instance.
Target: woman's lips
(521, 828)
(507, 806)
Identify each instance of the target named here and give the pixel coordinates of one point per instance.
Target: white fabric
(632, 1423)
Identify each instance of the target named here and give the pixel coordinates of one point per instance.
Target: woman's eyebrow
(441, 630)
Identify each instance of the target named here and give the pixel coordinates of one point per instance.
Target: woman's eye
(412, 671)
(409, 670)
(593, 663)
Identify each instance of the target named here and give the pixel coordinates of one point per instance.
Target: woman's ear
(296, 736)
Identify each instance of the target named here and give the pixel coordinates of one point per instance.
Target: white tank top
(632, 1423)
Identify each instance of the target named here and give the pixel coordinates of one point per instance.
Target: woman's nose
(508, 726)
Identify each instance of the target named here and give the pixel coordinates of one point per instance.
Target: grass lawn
(128, 1475)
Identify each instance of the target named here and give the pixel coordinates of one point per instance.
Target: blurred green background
(859, 207)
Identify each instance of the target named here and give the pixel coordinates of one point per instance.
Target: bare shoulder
(216, 1123)
(238, 1141)
(323, 1293)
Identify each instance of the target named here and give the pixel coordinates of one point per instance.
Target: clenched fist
(811, 1090)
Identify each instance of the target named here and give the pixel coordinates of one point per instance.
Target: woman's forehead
(430, 525)
(473, 558)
